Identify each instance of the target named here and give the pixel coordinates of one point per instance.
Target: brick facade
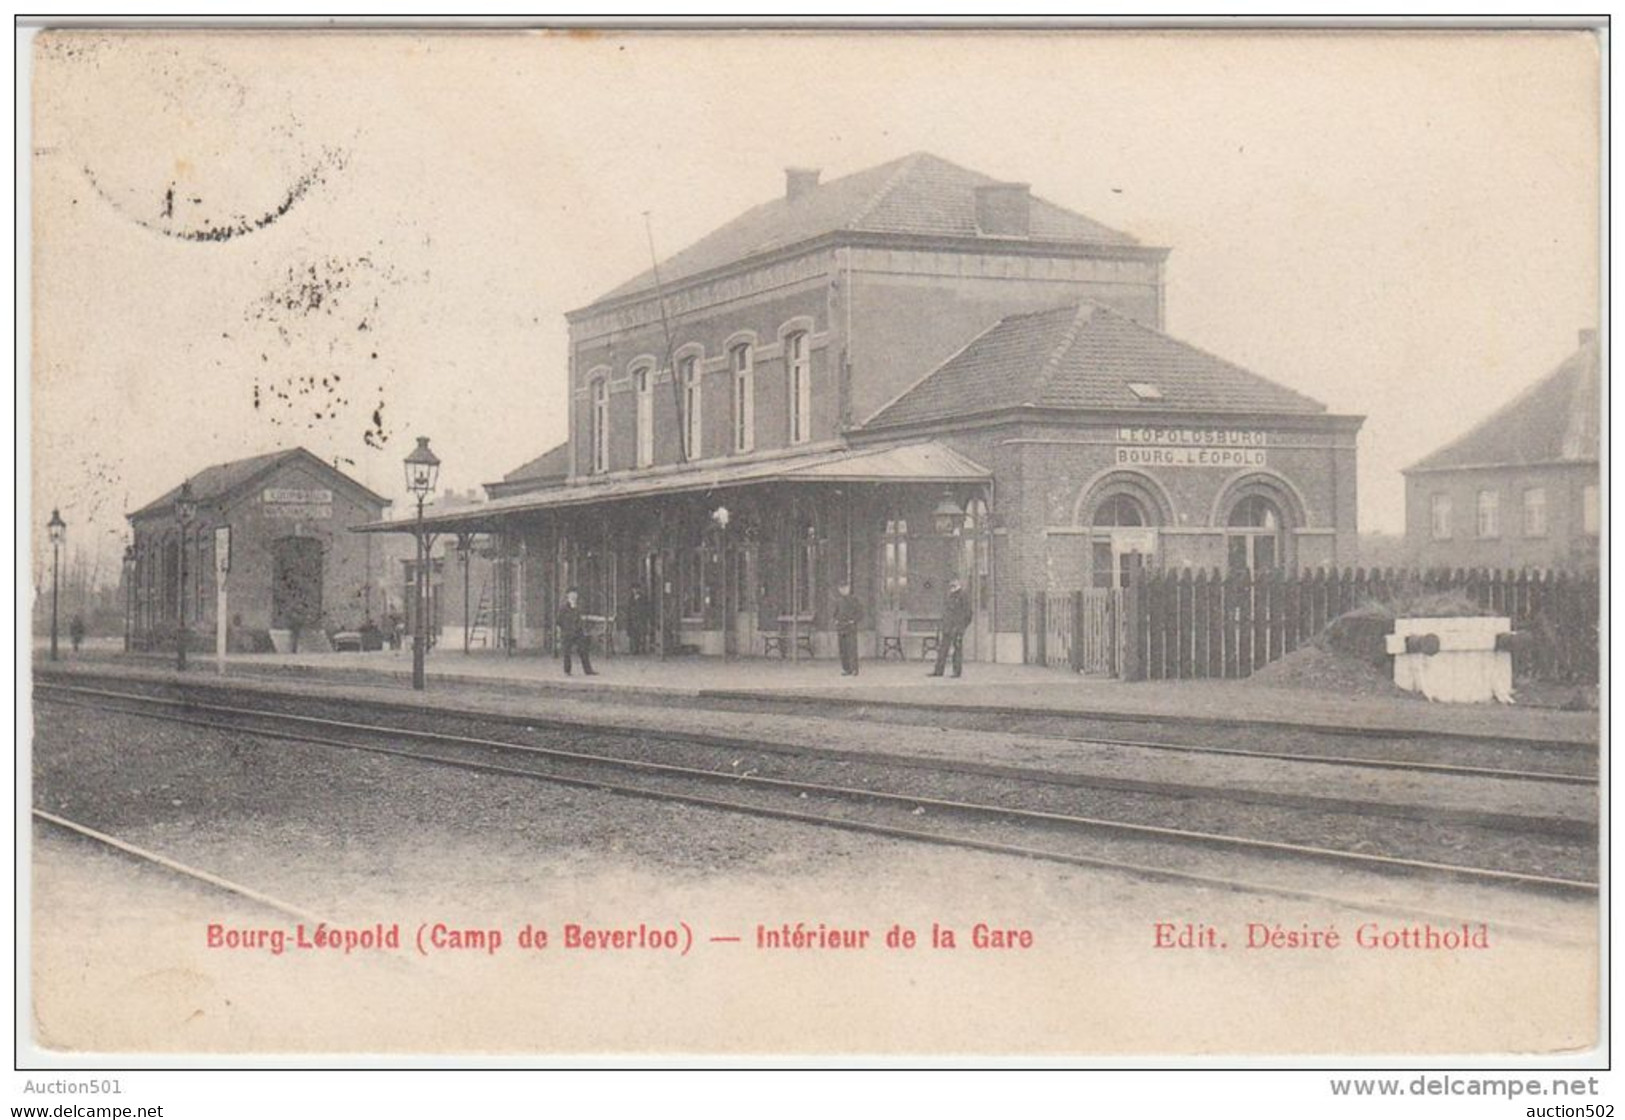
(1569, 497)
(297, 499)
(891, 276)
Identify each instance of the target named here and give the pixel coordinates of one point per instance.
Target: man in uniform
(956, 618)
(848, 615)
(573, 633)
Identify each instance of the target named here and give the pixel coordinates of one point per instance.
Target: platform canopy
(917, 462)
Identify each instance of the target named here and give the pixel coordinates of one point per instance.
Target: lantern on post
(57, 528)
(422, 469)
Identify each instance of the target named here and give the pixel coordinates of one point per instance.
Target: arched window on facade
(1255, 535)
(688, 376)
(600, 425)
(740, 362)
(798, 365)
(643, 390)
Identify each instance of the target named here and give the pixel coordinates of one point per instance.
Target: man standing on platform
(639, 620)
(956, 618)
(573, 637)
(848, 616)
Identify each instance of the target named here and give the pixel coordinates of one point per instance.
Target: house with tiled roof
(273, 530)
(1521, 487)
(903, 375)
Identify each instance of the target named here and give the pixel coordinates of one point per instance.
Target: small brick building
(1521, 489)
(907, 374)
(294, 564)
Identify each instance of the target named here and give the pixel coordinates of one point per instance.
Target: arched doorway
(1122, 512)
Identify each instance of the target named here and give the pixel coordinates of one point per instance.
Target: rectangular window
(688, 376)
(600, 425)
(1591, 512)
(1441, 517)
(1489, 514)
(643, 384)
(744, 412)
(797, 360)
(1534, 512)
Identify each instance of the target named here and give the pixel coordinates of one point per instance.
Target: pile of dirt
(1321, 670)
(1363, 631)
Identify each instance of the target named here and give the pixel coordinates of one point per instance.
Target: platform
(984, 687)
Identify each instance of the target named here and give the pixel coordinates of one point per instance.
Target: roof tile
(1086, 356)
(1557, 419)
(917, 194)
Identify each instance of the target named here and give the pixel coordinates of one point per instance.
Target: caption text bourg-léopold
(429, 938)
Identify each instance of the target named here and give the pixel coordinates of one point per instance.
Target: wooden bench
(927, 629)
(780, 643)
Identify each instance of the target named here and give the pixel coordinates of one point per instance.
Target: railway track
(1578, 824)
(1069, 836)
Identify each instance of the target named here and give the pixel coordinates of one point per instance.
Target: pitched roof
(555, 461)
(213, 484)
(1086, 356)
(917, 194)
(1556, 420)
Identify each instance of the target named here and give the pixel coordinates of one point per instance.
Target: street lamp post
(721, 516)
(56, 527)
(422, 468)
(185, 511)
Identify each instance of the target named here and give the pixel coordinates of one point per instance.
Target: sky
(347, 240)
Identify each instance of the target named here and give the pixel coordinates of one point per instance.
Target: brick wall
(360, 571)
(1565, 543)
(707, 334)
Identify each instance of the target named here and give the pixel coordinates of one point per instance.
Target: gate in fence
(1081, 631)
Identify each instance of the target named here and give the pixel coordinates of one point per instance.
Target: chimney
(1587, 338)
(1003, 210)
(799, 182)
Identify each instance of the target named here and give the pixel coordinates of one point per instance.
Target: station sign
(222, 549)
(1190, 447)
(273, 495)
(287, 503)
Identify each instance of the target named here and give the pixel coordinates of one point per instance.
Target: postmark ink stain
(331, 160)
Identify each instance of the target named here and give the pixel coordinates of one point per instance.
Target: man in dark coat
(573, 637)
(848, 616)
(956, 618)
(638, 620)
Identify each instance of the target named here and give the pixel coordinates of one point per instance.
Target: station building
(907, 374)
(1521, 488)
(296, 572)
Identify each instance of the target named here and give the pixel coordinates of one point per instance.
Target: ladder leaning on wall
(479, 634)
